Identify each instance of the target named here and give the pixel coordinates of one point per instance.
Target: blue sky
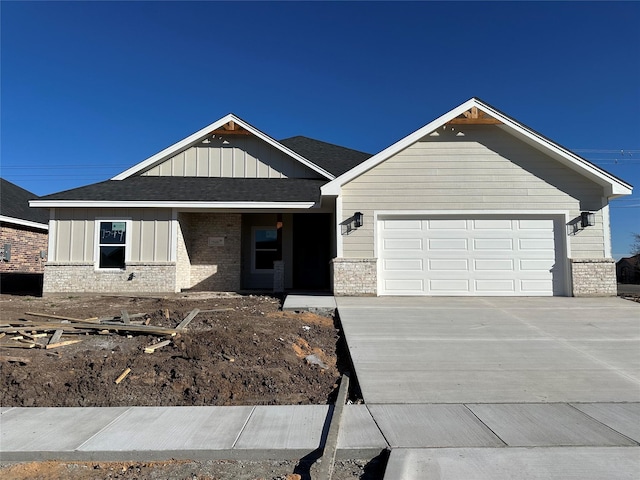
(91, 88)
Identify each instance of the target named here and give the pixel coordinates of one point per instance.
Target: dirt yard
(239, 350)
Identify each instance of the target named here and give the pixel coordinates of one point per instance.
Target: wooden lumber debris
(61, 344)
(156, 346)
(55, 338)
(58, 317)
(18, 345)
(187, 320)
(9, 358)
(123, 375)
(84, 327)
(125, 317)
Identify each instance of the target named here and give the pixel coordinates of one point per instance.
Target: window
(112, 244)
(265, 248)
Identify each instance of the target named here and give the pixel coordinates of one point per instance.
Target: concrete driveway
(493, 350)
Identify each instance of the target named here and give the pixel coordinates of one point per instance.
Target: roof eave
(24, 223)
(170, 204)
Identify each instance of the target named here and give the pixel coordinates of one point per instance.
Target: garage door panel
(543, 265)
(533, 286)
(491, 224)
(535, 224)
(546, 244)
(405, 286)
(448, 264)
(452, 224)
(472, 256)
(404, 244)
(493, 244)
(402, 224)
(495, 285)
(496, 264)
(448, 244)
(449, 286)
(403, 265)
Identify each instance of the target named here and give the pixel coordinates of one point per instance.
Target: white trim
(24, 223)
(173, 236)
(53, 227)
(606, 229)
(202, 133)
(127, 242)
(455, 213)
(339, 241)
(615, 186)
(170, 204)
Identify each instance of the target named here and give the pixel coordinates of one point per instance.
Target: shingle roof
(332, 158)
(196, 189)
(14, 203)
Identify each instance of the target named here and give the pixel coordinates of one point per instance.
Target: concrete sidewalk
(159, 433)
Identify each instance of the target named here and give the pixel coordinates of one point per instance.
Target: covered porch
(254, 250)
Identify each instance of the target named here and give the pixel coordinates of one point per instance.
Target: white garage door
(469, 256)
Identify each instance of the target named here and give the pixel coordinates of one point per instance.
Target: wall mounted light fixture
(358, 219)
(587, 219)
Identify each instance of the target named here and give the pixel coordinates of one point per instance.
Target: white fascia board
(333, 187)
(147, 204)
(614, 186)
(202, 133)
(24, 223)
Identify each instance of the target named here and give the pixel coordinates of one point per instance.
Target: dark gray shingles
(14, 203)
(333, 158)
(197, 189)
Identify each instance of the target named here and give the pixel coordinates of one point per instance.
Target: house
(23, 239)
(628, 269)
(473, 203)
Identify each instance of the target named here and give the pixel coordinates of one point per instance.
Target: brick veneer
(594, 277)
(213, 267)
(354, 276)
(26, 245)
(138, 277)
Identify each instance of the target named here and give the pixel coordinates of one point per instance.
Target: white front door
(483, 255)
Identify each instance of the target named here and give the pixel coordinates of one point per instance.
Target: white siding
(233, 157)
(480, 168)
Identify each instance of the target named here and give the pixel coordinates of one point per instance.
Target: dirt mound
(236, 351)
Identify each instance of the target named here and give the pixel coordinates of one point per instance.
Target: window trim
(254, 229)
(127, 243)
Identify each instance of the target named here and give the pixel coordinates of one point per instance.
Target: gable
(217, 138)
(477, 113)
(232, 156)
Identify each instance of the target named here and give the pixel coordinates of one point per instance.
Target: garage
(471, 255)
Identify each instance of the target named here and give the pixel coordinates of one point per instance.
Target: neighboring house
(628, 269)
(23, 238)
(474, 203)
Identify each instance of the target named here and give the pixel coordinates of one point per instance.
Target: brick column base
(594, 277)
(354, 276)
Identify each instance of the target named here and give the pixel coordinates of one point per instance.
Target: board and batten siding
(472, 168)
(75, 234)
(232, 157)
